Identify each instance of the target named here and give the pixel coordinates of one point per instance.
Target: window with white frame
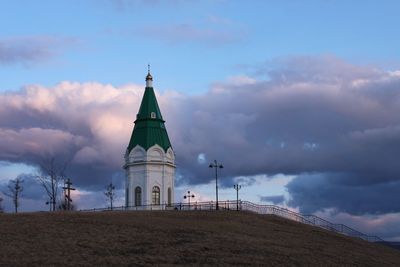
(155, 195)
(138, 196)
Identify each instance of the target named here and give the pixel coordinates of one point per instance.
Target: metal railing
(233, 205)
(308, 219)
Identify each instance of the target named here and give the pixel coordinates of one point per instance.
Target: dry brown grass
(184, 238)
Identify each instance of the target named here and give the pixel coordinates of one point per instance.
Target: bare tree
(14, 191)
(110, 194)
(52, 174)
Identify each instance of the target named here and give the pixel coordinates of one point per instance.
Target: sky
(299, 100)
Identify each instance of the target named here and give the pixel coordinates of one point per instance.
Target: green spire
(149, 125)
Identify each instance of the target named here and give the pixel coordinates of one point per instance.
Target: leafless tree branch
(110, 194)
(51, 177)
(14, 191)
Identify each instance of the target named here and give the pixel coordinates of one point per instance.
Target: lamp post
(237, 187)
(216, 166)
(188, 196)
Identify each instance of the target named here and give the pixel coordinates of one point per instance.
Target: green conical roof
(149, 125)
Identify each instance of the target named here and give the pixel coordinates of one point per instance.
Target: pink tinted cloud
(35, 141)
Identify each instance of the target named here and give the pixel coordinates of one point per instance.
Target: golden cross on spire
(148, 77)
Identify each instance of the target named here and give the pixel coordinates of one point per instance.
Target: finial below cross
(148, 68)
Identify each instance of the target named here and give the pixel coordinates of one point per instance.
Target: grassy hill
(171, 237)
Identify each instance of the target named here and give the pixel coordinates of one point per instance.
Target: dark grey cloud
(344, 192)
(314, 115)
(30, 50)
(31, 192)
(292, 127)
(386, 226)
(31, 188)
(278, 199)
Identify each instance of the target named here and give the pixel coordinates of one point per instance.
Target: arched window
(138, 196)
(155, 195)
(169, 196)
(153, 115)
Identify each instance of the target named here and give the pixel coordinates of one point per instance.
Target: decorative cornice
(138, 163)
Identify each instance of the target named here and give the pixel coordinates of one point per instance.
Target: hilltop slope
(171, 237)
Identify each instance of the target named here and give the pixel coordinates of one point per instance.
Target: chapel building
(149, 158)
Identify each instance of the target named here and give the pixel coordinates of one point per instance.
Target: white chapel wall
(148, 169)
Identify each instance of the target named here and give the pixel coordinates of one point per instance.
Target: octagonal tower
(149, 158)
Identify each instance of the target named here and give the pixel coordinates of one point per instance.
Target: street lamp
(216, 166)
(237, 188)
(188, 196)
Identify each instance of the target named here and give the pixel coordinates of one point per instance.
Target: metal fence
(308, 219)
(233, 205)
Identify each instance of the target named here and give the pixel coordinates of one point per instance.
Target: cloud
(317, 117)
(386, 226)
(278, 199)
(87, 125)
(31, 195)
(219, 20)
(189, 33)
(346, 192)
(135, 5)
(36, 141)
(327, 69)
(123, 4)
(28, 50)
(332, 124)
